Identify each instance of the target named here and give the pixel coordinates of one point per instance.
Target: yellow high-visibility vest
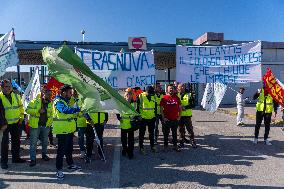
(13, 112)
(33, 111)
(147, 108)
(158, 100)
(184, 102)
(62, 123)
(95, 117)
(260, 103)
(125, 119)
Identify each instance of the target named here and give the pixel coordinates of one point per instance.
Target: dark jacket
(3, 120)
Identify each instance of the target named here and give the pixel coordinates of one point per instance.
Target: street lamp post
(83, 35)
(165, 80)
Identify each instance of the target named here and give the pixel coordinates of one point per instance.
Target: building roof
(164, 54)
(30, 51)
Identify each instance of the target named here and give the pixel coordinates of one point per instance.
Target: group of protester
(64, 117)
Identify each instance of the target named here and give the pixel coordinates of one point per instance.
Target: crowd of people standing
(62, 117)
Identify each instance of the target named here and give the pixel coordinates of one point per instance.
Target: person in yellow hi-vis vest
(127, 130)
(185, 121)
(64, 127)
(81, 123)
(158, 95)
(14, 116)
(264, 107)
(3, 126)
(148, 111)
(97, 120)
(40, 121)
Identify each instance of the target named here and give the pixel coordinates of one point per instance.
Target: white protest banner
(223, 64)
(213, 95)
(33, 89)
(8, 52)
(121, 70)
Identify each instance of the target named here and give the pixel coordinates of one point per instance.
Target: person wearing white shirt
(240, 106)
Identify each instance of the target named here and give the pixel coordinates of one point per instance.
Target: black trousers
(14, 130)
(151, 126)
(127, 140)
(267, 120)
(65, 147)
(158, 119)
(185, 123)
(167, 126)
(50, 137)
(90, 136)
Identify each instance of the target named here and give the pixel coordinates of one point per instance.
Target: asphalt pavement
(225, 158)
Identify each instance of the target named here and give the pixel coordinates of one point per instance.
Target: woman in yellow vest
(264, 108)
(14, 116)
(127, 133)
(40, 121)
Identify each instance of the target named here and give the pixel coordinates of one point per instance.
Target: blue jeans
(35, 133)
(81, 139)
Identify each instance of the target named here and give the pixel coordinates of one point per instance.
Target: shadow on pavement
(204, 165)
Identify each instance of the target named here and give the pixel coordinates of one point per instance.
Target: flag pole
(99, 144)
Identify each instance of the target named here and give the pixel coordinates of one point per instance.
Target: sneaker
(32, 163)
(267, 142)
(193, 144)
(186, 141)
(82, 154)
(19, 160)
(239, 124)
(60, 175)
(181, 145)
(45, 158)
(88, 160)
(154, 149)
(177, 149)
(74, 167)
(255, 141)
(142, 151)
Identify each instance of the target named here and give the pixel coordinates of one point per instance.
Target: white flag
(8, 52)
(213, 95)
(33, 89)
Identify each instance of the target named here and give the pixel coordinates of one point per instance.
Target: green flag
(97, 95)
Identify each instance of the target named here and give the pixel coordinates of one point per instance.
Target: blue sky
(158, 20)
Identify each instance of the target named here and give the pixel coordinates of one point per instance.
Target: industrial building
(165, 59)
